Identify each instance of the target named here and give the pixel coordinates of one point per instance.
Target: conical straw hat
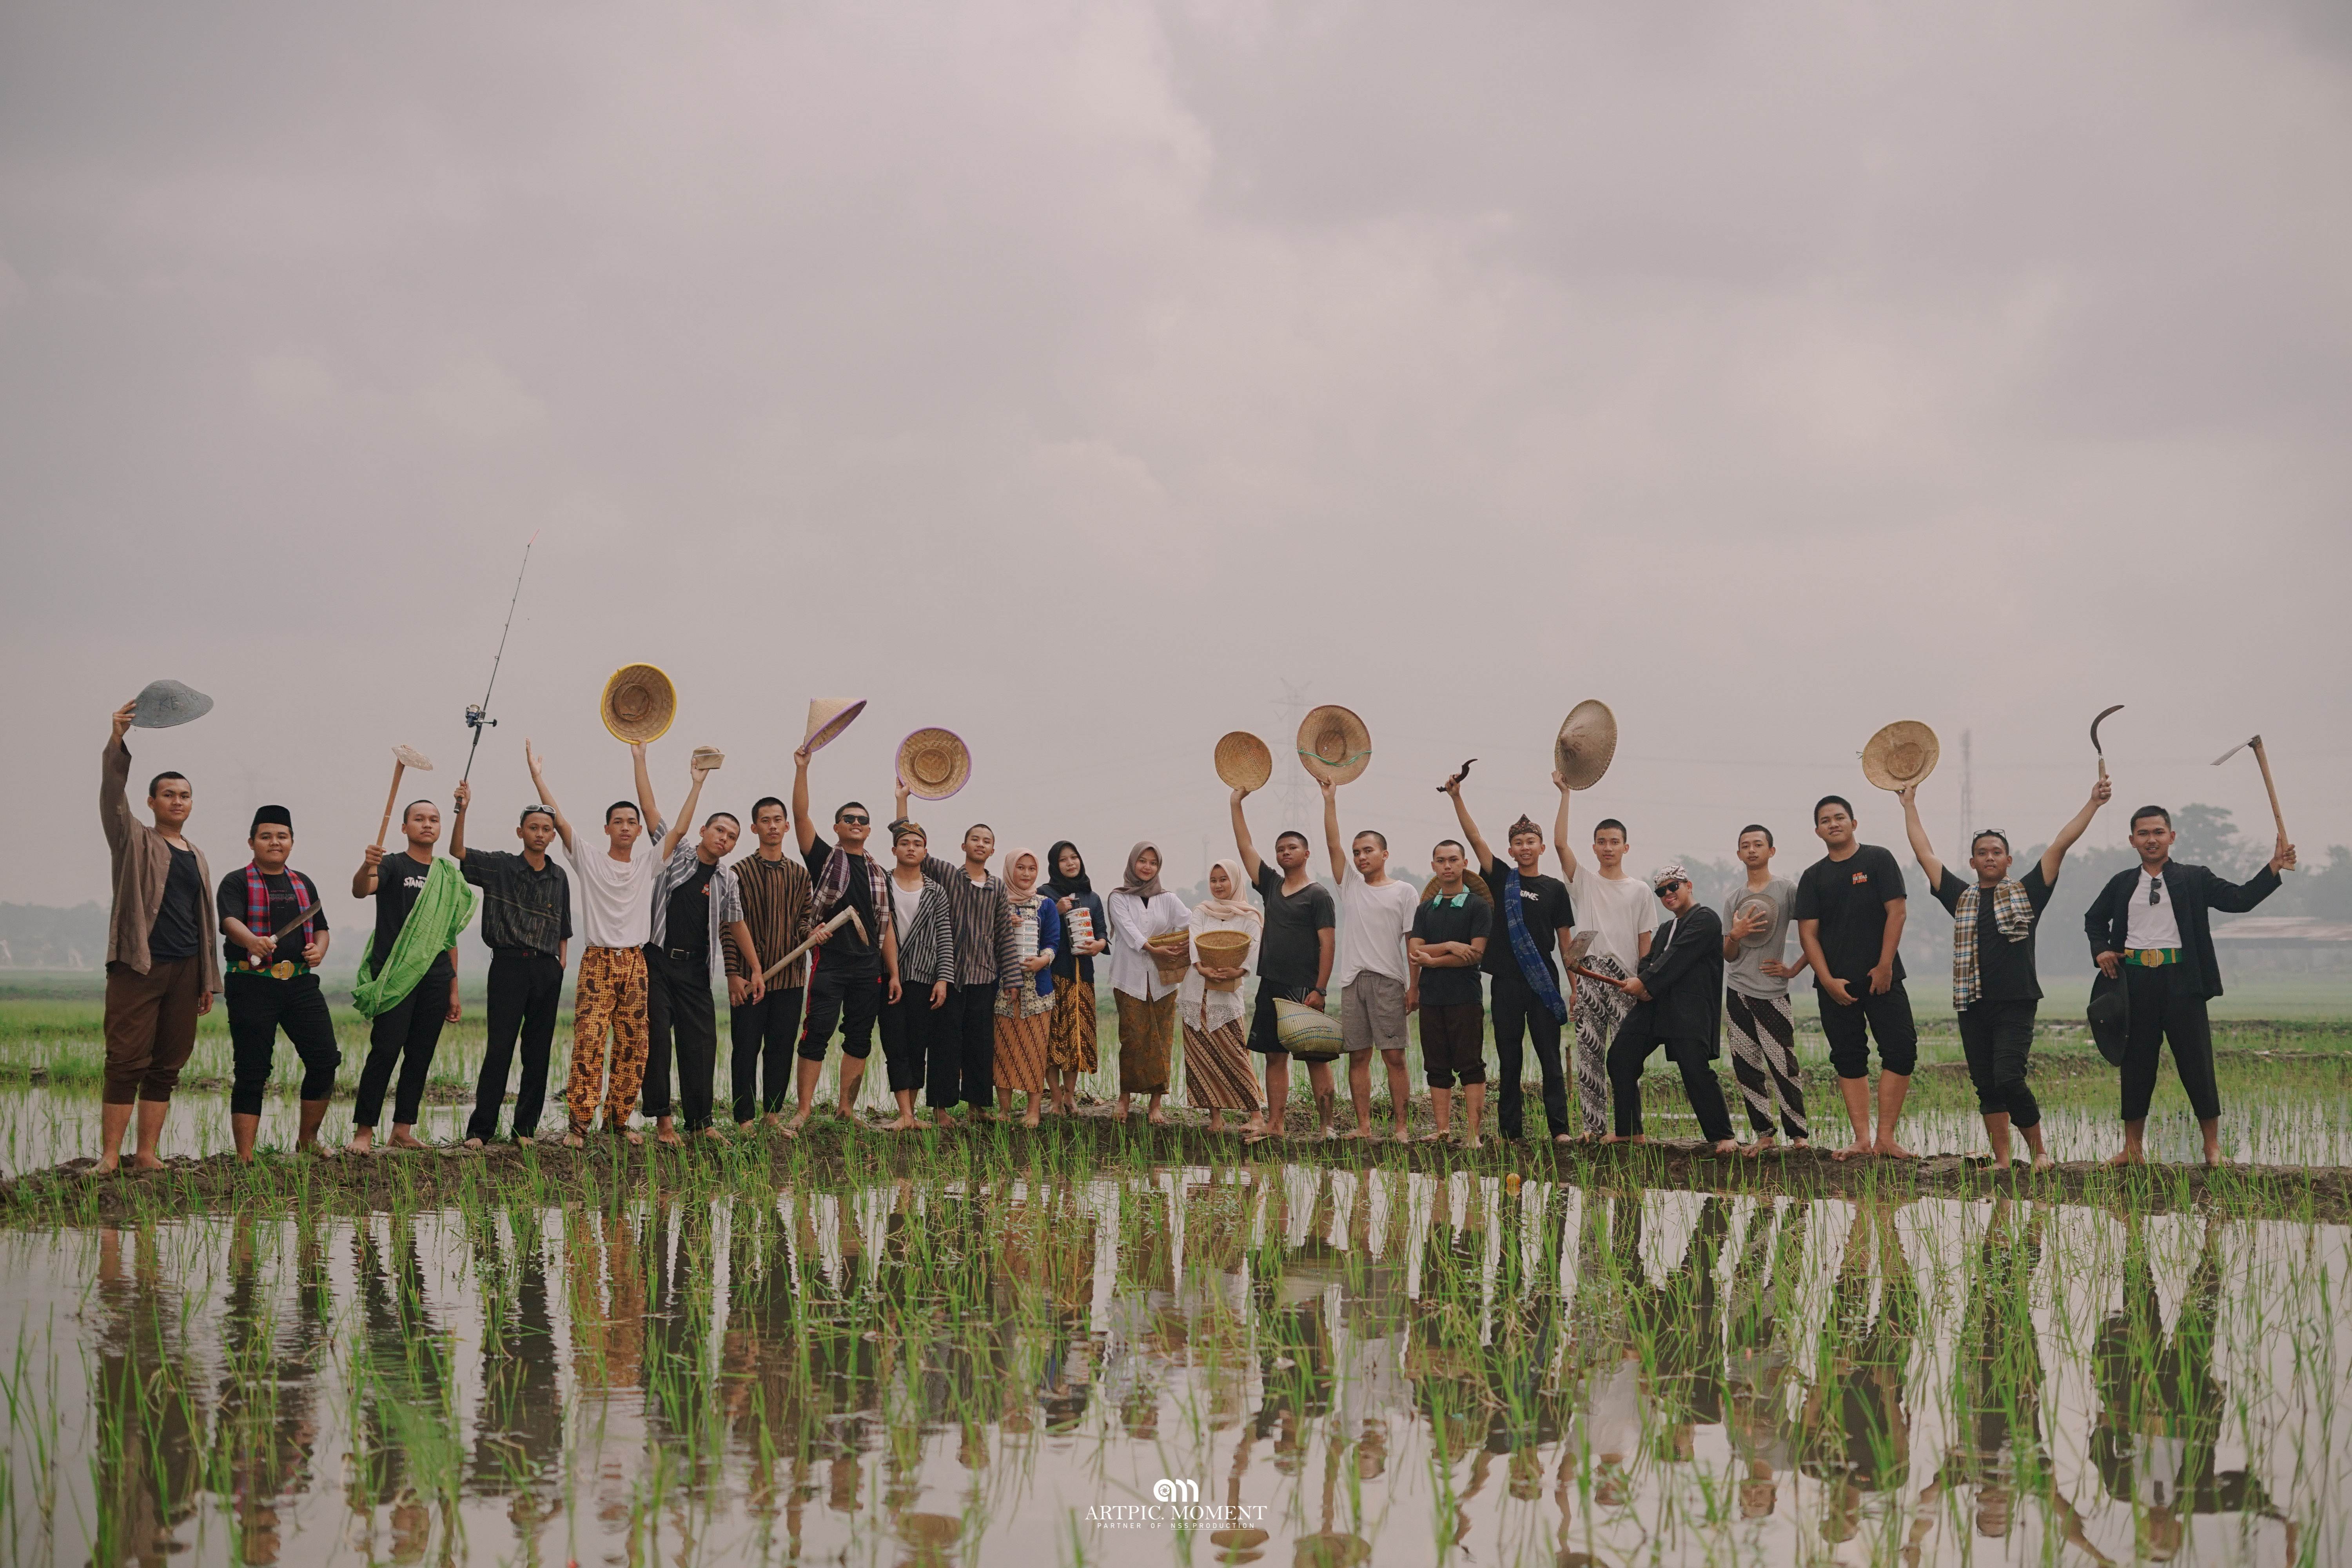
(410, 757)
(828, 717)
(1334, 744)
(935, 762)
(638, 703)
(1243, 762)
(1587, 742)
(167, 702)
(1902, 753)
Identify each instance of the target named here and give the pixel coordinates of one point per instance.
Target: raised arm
(684, 822)
(1916, 830)
(1480, 856)
(2075, 827)
(648, 811)
(802, 828)
(546, 796)
(464, 797)
(1331, 831)
(1250, 862)
(114, 781)
(1559, 830)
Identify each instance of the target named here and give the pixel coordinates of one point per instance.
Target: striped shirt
(777, 907)
(725, 903)
(983, 920)
(926, 950)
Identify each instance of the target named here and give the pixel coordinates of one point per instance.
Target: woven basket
(1223, 950)
(1307, 1032)
(1171, 955)
(1243, 762)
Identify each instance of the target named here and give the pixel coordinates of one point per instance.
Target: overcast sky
(1075, 375)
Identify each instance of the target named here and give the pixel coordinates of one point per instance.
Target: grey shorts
(1372, 1013)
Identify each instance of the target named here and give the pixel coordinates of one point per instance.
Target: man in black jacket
(1679, 1004)
(2151, 925)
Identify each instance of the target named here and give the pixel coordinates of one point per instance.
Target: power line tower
(1294, 798)
(1967, 790)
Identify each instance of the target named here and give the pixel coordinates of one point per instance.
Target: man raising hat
(408, 972)
(161, 967)
(2152, 926)
(1621, 912)
(855, 974)
(1850, 914)
(527, 921)
(1679, 1004)
(1995, 990)
(271, 980)
(697, 911)
(616, 921)
(1536, 916)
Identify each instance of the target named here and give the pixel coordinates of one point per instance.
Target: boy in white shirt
(1376, 990)
(1621, 913)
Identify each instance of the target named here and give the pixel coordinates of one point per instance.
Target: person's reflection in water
(1676, 1323)
(2161, 1406)
(1763, 1288)
(677, 1373)
(518, 1419)
(1606, 1438)
(147, 1412)
(267, 1425)
(1864, 1446)
(405, 1457)
(608, 1300)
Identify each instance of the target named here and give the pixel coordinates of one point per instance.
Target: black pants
(678, 1004)
(1849, 1029)
(913, 1032)
(1514, 1003)
(765, 1033)
(526, 989)
(963, 1065)
(258, 1007)
(1998, 1038)
(407, 1036)
(1629, 1053)
(852, 1001)
(2164, 1006)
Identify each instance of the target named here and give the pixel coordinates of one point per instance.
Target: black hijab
(1059, 885)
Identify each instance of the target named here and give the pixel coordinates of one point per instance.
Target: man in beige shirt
(163, 950)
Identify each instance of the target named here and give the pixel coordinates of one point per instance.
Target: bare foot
(107, 1164)
(2126, 1157)
(715, 1135)
(2044, 1163)
(901, 1123)
(792, 1127)
(1763, 1140)
(1889, 1149)
(1726, 1146)
(1470, 1141)
(145, 1163)
(363, 1142)
(630, 1135)
(574, 1140)
(525, 1141)
(1440, 1136)
(400, 1140)
(2214, 1162)
(1351, 1135)
(1029, 1120)
(1860, 1149)
(1798, 1144)
(1158, 1119)
(1561, 1138)
(316, 1150)
(472, 1144)
(1612, 1138)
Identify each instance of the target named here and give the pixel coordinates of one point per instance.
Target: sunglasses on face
(1662, 888)
(853, 821)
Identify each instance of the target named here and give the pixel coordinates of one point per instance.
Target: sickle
(2099, 721)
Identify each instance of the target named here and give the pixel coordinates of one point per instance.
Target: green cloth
(444, 906)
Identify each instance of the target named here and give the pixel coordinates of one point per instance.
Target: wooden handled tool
(2095, 736)
(403, 759)
(2263, 758)
(835, 924)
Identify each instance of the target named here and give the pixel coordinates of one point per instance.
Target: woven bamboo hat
(828, 717)
(1587, 743)
(1334, 744)
(1243, 762)
(1470, 879)
(935, 762)
(710, 758)
(1305, 1031)
(1902, 753)
(639, 703)
(167, 702)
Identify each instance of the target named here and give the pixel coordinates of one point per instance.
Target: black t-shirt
(843, 953)
(1848, 898)
(399, 878)
(1438, 920)
(1290, 953)
(179, 929)
(2005, 968)
(228, 902)
(687, 926)
(1543, 900)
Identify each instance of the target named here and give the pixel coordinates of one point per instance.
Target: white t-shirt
(1619, 911)
(617, 897)
(908, 904)
(1373, 924)
(2151, 925)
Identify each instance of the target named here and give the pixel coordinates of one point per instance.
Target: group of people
(980, 974)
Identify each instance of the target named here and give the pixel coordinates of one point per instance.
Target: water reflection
(1353, 1364)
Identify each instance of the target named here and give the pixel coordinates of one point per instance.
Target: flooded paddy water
(1052, 1355)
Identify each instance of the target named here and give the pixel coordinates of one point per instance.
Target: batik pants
(1596, 1010)
(1764, 1060)
(610, 998)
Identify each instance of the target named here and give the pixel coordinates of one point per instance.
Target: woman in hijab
(1025, 1006)
(1216, 1047)
(1139, 908)
(1070, 1042)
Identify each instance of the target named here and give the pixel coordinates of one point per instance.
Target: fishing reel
(476, 719)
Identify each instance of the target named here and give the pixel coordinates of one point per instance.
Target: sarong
(1020, 1052)
(1217, 1074)
(1071, 1046)
(1145, 1036)
(1598, 1010)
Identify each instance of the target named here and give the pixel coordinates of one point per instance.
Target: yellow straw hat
(1334, 744)
(1902, 753)
(1243, 762)
(935, 762)
(638, 703)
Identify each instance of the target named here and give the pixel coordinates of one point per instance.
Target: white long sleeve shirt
(1133, 924)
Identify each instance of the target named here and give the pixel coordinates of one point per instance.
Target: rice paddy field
(1098, 1344)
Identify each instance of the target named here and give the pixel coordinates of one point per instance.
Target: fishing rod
(477, 715)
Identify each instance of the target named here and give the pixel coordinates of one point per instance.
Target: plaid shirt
(726, 902)
(983, 913)
(2012, 913)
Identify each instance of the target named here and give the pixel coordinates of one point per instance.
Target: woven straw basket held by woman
(1139, 908)
(1216, 1045)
